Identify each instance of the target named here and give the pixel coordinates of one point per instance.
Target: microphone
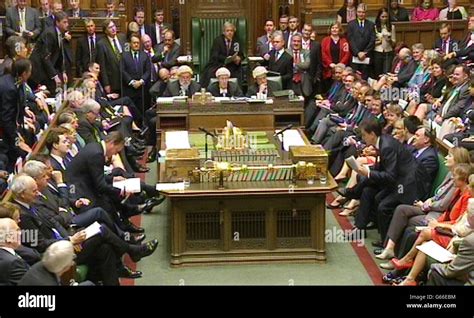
(207, 132)
(283, 130)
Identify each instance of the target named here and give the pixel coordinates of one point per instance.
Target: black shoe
(151, 156)
(132, 228)
(378, 251)
(151, 203)
(144, 250)
(377, 244)
(126, 272)
(137, 238)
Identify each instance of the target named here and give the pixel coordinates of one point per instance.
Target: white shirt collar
(59, 159)
(26, 205)
(420, 151)
(377, 144)
(9, 249)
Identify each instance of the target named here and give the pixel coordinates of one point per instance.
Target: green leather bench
(204, 31)
(442, 172)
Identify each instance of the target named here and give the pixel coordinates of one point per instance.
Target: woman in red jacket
(334, 49)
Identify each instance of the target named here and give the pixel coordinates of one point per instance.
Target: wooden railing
(415, 32)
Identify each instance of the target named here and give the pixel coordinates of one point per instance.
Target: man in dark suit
(88, 127)
(12, 104)
(158, 28)
(388, 183)
(86, 48)
(457, 100)
(48, 57)
(184, 86)
(94, 251)
(361, 36)
(283, 26)
(407, 68)
(427, 160)
(140, 20)
(45, 15)
(466, 47)
(86, 172)
(262, 85)
(446, 44)
(223, 87)
(109, 54)
(426, 169)
(74, 10)
(110, 10)
(264, 43)
(293, 27)
(12, 266)
(279, 60)
(136, 76)
(23, 21)
(225, 51)
(167, 52)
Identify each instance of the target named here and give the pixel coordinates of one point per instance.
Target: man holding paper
(361, 35)
(388, 183)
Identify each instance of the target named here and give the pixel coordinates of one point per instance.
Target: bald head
(404, 53)
(146, 42)
(10, 235)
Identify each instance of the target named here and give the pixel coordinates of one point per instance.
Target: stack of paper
(352, 163)
(129, 185)
(255, 58)
(435, 251)
(177, 140)
(92, 230)
(291, 138)
(165, 100)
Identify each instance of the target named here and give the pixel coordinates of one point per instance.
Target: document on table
(291, 138)
(131, 185)
(165, 100)
(356, 60)
(177, 140)
(92, 230)
(436, 251)
(170, 186)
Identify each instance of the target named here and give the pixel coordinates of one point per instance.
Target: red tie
(296, 61)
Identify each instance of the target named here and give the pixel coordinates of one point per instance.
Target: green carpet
(342, 267)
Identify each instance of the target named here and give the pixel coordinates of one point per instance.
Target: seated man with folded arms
(223, 87)
(261, 85)
(184, 86)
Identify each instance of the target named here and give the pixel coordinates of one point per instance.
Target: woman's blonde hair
(460, 155)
